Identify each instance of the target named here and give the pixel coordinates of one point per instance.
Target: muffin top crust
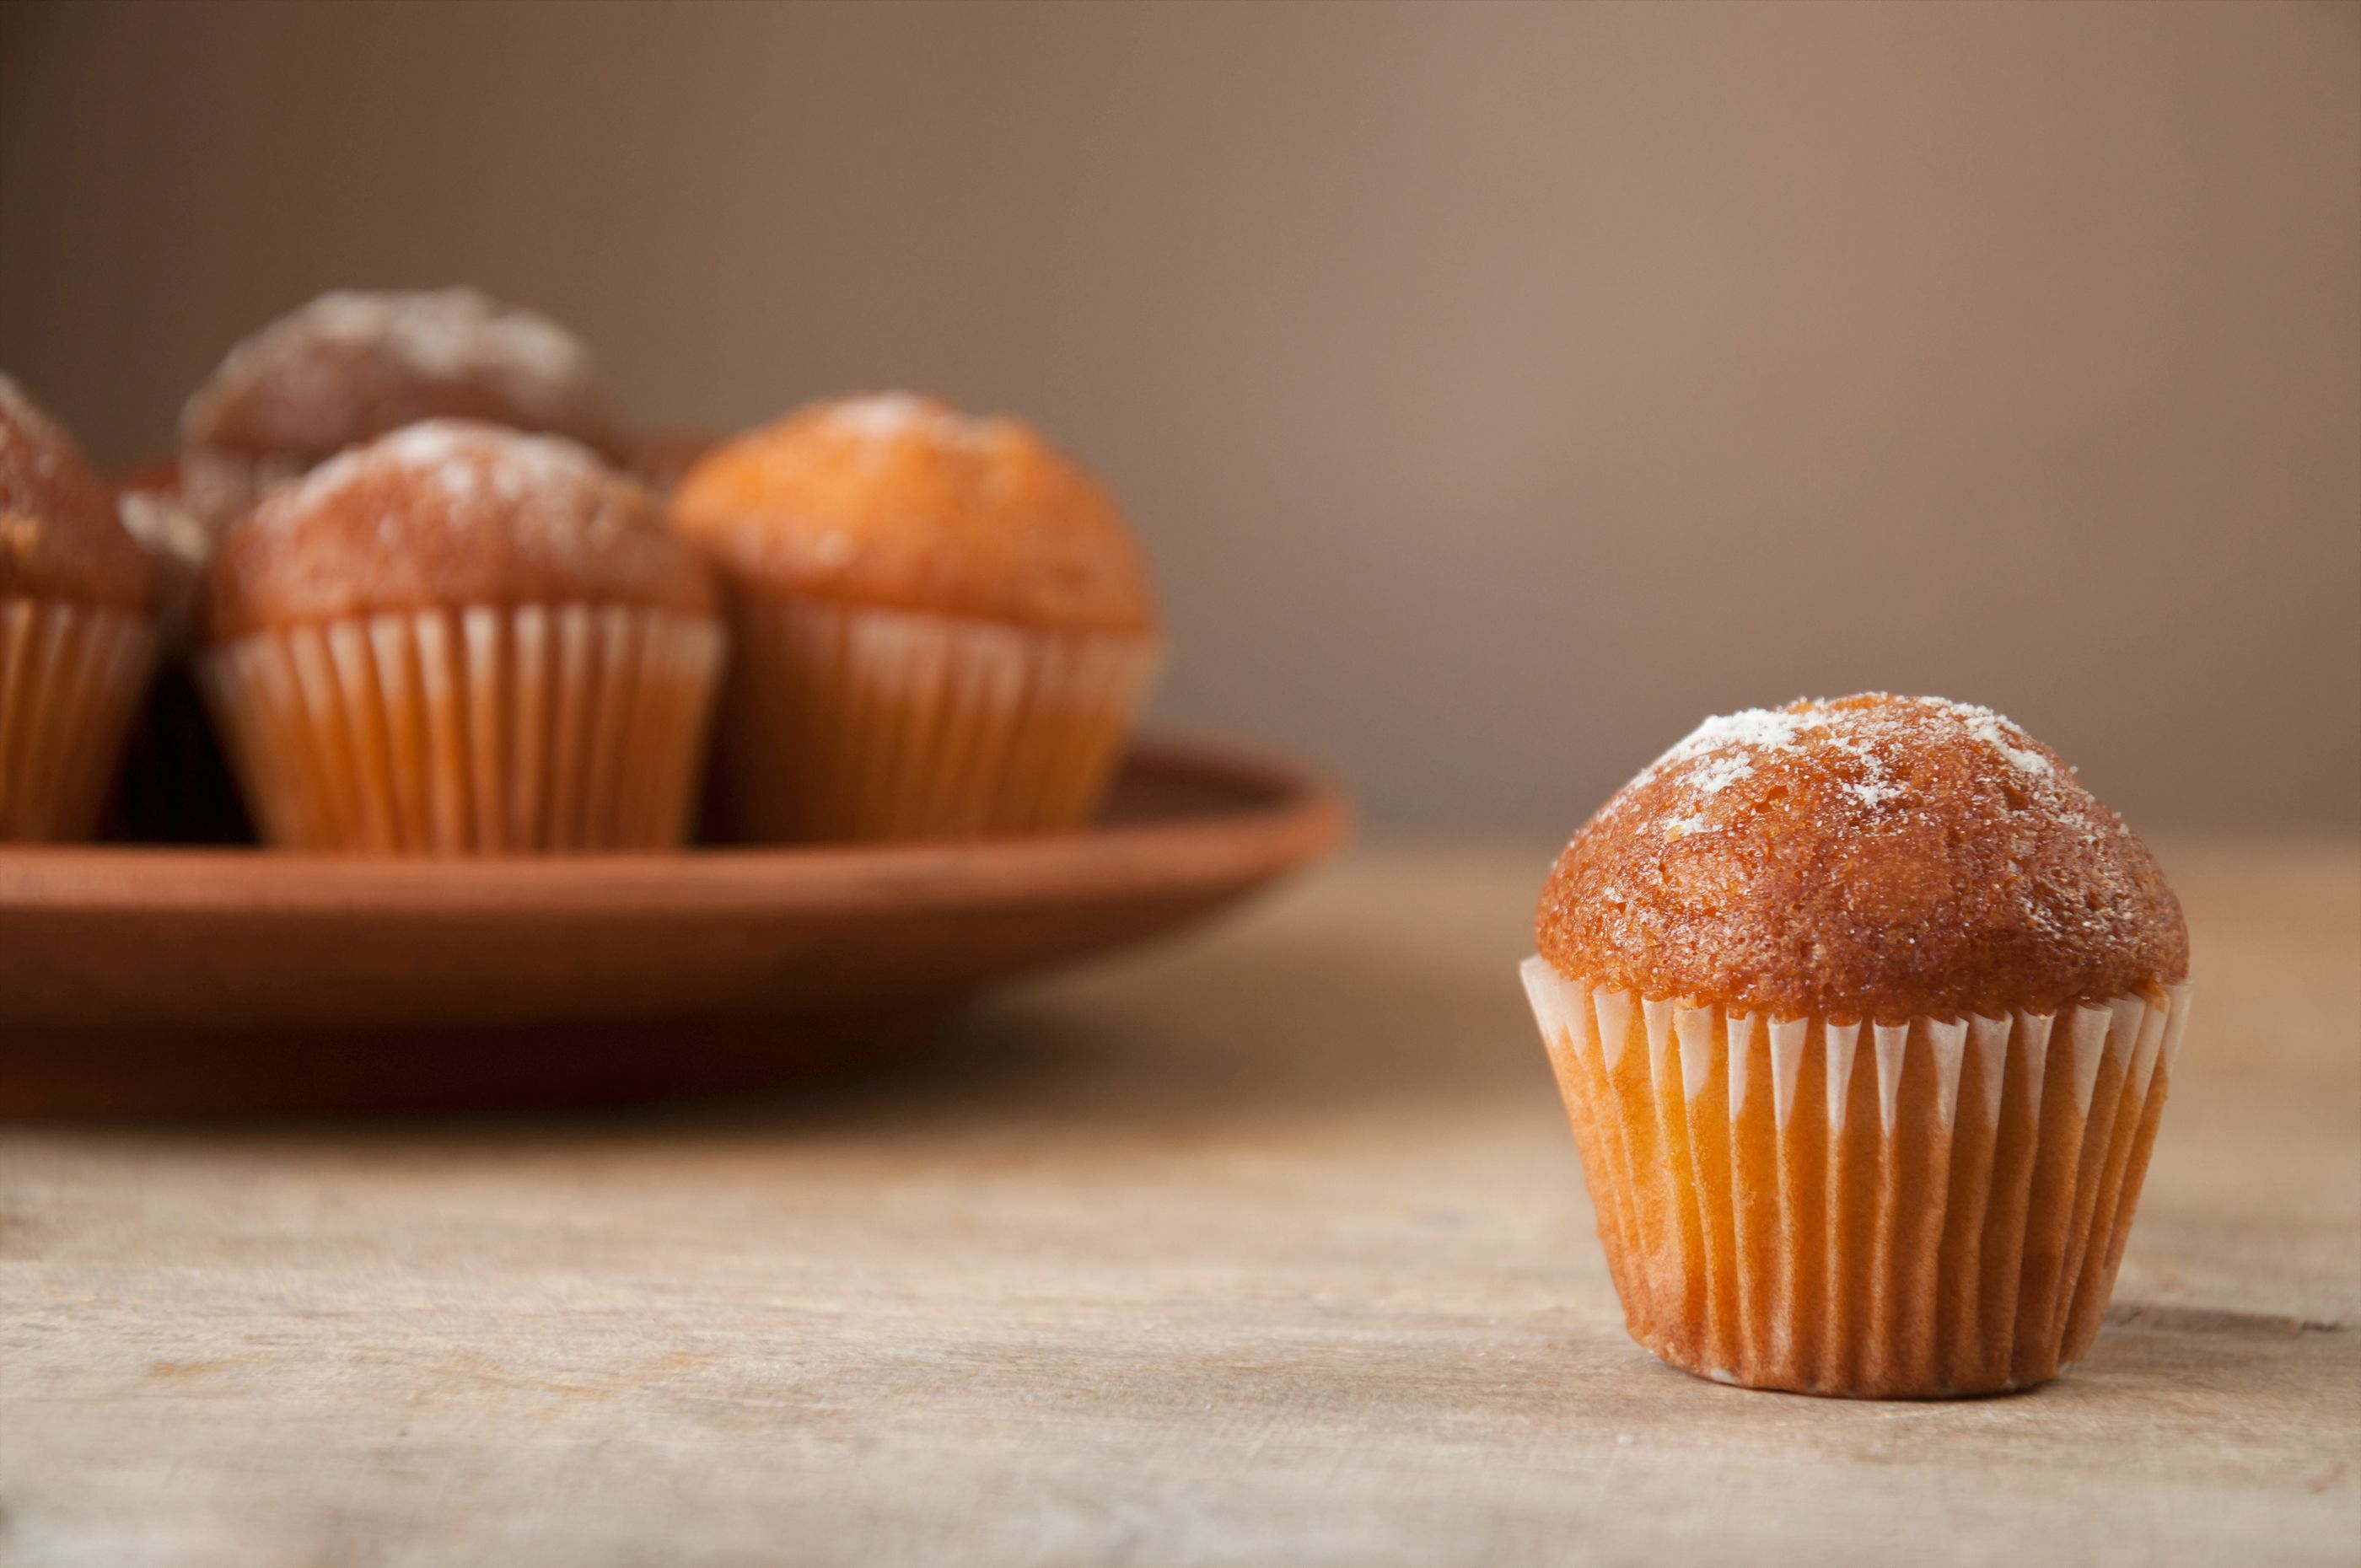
(352, 364)
(450, 513)
(1874, 857)
(903, 502)
(60, 538)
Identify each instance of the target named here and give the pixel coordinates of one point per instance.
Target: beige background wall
(1500, 387)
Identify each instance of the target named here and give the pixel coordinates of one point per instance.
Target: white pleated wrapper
(488, 730)
(1920, 1208)
(70, 678)
(859, 722)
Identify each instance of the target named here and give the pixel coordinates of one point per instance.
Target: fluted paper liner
(71, 677)
(478, 730)
(859, 722)
(1881, 1211)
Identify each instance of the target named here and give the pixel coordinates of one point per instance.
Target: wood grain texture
(1270, 1247)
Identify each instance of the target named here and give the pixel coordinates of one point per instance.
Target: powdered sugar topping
(1858, 738)
(328, 361)
(27, 434)
(2002, 735)
(482, 472)
(887, 416)
(449, 333)
(1718, 771)
(15, 403)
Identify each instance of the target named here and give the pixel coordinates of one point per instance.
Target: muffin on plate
(1864, 1012)
(943, 625)
(75, 637)
(353, 365)
(462, 640)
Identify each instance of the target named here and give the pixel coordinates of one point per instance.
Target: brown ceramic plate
(182, 982)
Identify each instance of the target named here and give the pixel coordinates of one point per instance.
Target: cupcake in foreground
(1864, 1012)
(461, 640)
(353, 365)
(943, 626)
(75, 637)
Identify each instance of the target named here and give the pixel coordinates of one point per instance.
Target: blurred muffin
(1864, 1012)
(75, 639)
(175, 784)
(943, 626)
(352, 364)
(462, 640)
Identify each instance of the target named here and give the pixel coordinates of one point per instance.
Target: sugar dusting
(890, 416)
(18, 406)
(486, 476)
(328, 360)
(450, 334)
(446, 335)
(42, 474)
(1719, 772)
(1869, 853)
(30, 441)
(1865, 734)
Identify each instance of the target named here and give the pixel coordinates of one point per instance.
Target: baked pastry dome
(450, 513)
(60, 537)
(1876, 857)
(903, 502)
(354, 365)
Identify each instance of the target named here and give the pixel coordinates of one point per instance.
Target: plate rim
(1305, 817)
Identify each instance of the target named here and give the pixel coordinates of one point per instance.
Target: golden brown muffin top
(353, 365)
(450, 513)
(60, 538)
(1877, 857)
(904, 501)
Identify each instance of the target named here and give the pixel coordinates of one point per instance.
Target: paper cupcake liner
(1884, 1211)
(70, 679)
(482, 730)
(866, 723)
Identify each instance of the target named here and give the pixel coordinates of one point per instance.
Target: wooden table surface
(1268, 1246)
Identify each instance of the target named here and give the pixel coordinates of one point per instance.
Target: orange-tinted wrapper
(1908, 1210)
(859, 722)
(70, 678)
(482, 730)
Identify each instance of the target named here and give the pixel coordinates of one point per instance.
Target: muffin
(1864, 1012)
(943, 626)
(462, 640)
(75, 637)
(351, 365)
